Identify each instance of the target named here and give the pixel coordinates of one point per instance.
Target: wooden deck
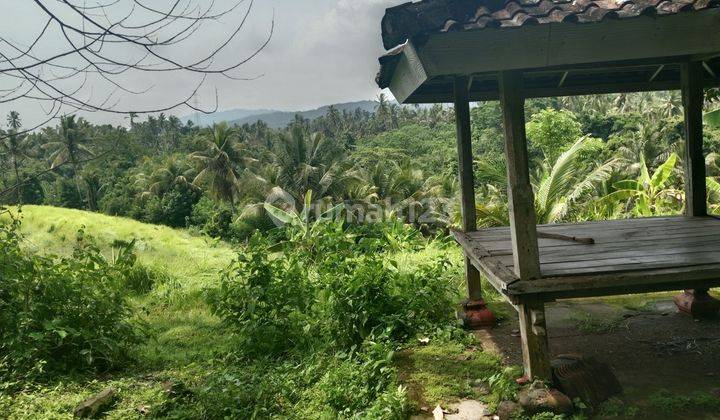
(628, 256)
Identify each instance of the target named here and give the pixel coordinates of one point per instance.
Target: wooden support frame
(467, 179)
(523, 229)
(693, 99)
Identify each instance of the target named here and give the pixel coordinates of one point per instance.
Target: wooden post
(523, 229)
(521, 201)
(693, 100)
(467, 179)
(697, 302)
(534, 340)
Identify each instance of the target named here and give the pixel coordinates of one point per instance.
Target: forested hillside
(602, 157)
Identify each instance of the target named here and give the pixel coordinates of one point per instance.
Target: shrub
(265, 298)
(61, 314)
(212, 218)
(332, 280)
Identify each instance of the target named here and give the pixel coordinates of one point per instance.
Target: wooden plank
(467, 179)
(498, 275)
(534, 339)
(622, 264)
(602, 243)
(521, 201)
(665, 279)
(409, 74)
(692, 74)
(537, 46)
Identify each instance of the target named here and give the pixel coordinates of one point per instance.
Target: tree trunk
(18, 185)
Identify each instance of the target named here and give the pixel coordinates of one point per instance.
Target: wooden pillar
(467, 179)
(534, 340)
(521, 201)
(523, 229)
(693, 100)
(696, 302)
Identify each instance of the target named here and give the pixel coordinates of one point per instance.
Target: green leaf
(712, 118)
(281, 215)
(663, 172)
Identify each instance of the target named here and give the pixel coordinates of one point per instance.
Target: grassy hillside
(182, 331)
(186, 343)
(194, 260)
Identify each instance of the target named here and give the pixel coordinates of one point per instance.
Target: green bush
(61, 314)
(337, 281)
(213, 218)
(334, 298)
(265, 298)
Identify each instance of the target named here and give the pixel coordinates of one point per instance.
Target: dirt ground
(648, 343)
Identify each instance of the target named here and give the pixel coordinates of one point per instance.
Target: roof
(410, 20)
(564, 47)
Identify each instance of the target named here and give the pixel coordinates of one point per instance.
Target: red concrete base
(475, 315)
(697, 303)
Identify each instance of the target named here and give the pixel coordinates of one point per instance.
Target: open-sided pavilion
(461, 51)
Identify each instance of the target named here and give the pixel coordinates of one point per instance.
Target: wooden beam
(521, 201)
(467, 179)
(445, 96)
(657, 72)
(693, 101)
(534, 339)
(562, 80)
(409, 74)
(709, 70)
(562, 44)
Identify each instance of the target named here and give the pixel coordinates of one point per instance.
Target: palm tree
(560, 187)
(14, 121)
(216, 164)
(172, 171)
(16, 146)
(307, 162)
(68, 145)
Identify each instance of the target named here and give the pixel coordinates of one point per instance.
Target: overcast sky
(322, 52)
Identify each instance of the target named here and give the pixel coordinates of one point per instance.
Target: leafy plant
(62, 314)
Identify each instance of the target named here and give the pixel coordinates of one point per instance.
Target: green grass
(445, 372)
(193, 260)
(185, 340)
(183, 334)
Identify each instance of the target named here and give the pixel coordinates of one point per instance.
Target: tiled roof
(433, 16)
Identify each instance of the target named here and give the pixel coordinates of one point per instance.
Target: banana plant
(650, 195)
(302, 221)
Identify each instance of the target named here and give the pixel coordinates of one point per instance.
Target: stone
(95, 404)
(467, 410)
(508, 410)
(537, 400)
(585, 378)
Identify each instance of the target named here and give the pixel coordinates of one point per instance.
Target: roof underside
(563, 47)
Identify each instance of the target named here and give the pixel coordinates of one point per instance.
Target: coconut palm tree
(68, 144)
(217, 164)
(560, 187)
(172, 171)
(16, 147)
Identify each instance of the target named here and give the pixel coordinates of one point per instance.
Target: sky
(321, 52)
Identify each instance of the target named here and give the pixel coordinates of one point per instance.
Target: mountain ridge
(274, 118)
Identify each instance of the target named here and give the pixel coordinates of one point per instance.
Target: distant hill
(274, 118)
(280, 119)
(234, 114)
